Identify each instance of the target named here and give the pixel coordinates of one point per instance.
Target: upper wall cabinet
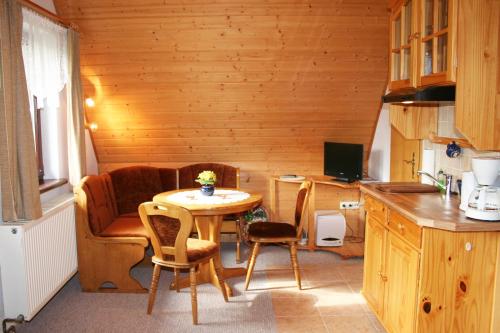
(403, 45)
(437, 35)
(414, 122)
(423, 43)
(477, 107)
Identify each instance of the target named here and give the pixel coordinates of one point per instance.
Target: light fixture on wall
(89, 102)
(93, 127)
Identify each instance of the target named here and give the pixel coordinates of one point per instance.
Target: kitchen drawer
(405, 228)
(375, 209)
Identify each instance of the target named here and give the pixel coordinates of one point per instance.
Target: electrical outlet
(349, 205)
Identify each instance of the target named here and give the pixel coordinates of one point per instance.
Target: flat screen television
(343, 161)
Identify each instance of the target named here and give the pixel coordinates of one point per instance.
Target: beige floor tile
(300, 324)
(288, 292)
(356, 286)
(339, 299)
(378, 326)
(352, 272)
(322, 273)
(304, 305)
(349, 324)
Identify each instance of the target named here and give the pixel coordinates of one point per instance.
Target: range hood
(438, 94)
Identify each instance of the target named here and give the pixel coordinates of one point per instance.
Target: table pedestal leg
(209, 229)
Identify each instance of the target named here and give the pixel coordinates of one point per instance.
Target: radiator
(37, 258)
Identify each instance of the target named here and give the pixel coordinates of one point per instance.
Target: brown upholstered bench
(111, 238)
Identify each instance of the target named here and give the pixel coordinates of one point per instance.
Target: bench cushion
(128, 225)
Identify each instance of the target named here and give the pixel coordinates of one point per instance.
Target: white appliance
(469, 183)
(330, 228)
(484, 200)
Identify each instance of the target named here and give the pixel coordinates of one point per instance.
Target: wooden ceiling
(258, 84)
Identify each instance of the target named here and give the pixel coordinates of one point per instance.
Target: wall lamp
(93, 127)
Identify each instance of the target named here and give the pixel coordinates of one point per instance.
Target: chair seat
(198, 249)
(263, 230)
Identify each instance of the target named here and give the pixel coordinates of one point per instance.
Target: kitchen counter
(430, 210)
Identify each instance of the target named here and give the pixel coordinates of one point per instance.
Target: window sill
(50, 184)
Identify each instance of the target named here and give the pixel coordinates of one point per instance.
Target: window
(44, 49)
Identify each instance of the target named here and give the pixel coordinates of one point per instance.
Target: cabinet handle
(401, 227)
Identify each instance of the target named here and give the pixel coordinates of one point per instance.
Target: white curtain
(45, 57)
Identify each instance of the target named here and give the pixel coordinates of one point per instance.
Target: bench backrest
(100, 201)
(137, 184)
(227, 176)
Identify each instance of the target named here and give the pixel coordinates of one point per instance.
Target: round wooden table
(208, 214)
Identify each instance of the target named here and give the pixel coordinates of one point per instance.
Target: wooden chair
(278, 232)
(227, 176)
(169, 227)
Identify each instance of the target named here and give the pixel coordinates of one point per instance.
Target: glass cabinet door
(435, 56)
(402, 35)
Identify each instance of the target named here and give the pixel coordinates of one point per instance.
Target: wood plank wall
(258, 84)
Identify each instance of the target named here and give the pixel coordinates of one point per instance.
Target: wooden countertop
(430, 210)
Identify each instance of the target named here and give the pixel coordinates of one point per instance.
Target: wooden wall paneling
(256, 84)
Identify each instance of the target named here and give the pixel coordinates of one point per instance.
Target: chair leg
(238, 241)
(295, 263)
(176, 279)
(251, 263)
(194, 301)
(154, 287)
(220, 277)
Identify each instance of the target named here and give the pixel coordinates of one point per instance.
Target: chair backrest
(300, 207)
(168, 227)
(227, 176)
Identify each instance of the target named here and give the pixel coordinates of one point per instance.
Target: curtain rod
(44, 12)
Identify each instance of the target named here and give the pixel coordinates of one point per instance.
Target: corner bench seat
(110, 235)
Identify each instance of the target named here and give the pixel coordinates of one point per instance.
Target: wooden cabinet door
(437, 39)
(403, 59)
(477, 113)
(457, 289)
(373, 284)
(414, 121)
(400, 297)
(405, 158)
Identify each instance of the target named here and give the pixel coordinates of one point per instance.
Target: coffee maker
(484, 200)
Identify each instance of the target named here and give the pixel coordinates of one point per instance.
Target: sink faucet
(446, 187)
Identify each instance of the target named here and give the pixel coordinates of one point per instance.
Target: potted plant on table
(207, 180)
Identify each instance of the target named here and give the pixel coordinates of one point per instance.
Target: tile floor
(329, 302)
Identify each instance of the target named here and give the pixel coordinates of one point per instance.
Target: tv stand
(326, 193)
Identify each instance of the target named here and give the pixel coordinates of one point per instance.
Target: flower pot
(207, 189)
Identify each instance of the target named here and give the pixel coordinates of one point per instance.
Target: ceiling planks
(258, 84)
